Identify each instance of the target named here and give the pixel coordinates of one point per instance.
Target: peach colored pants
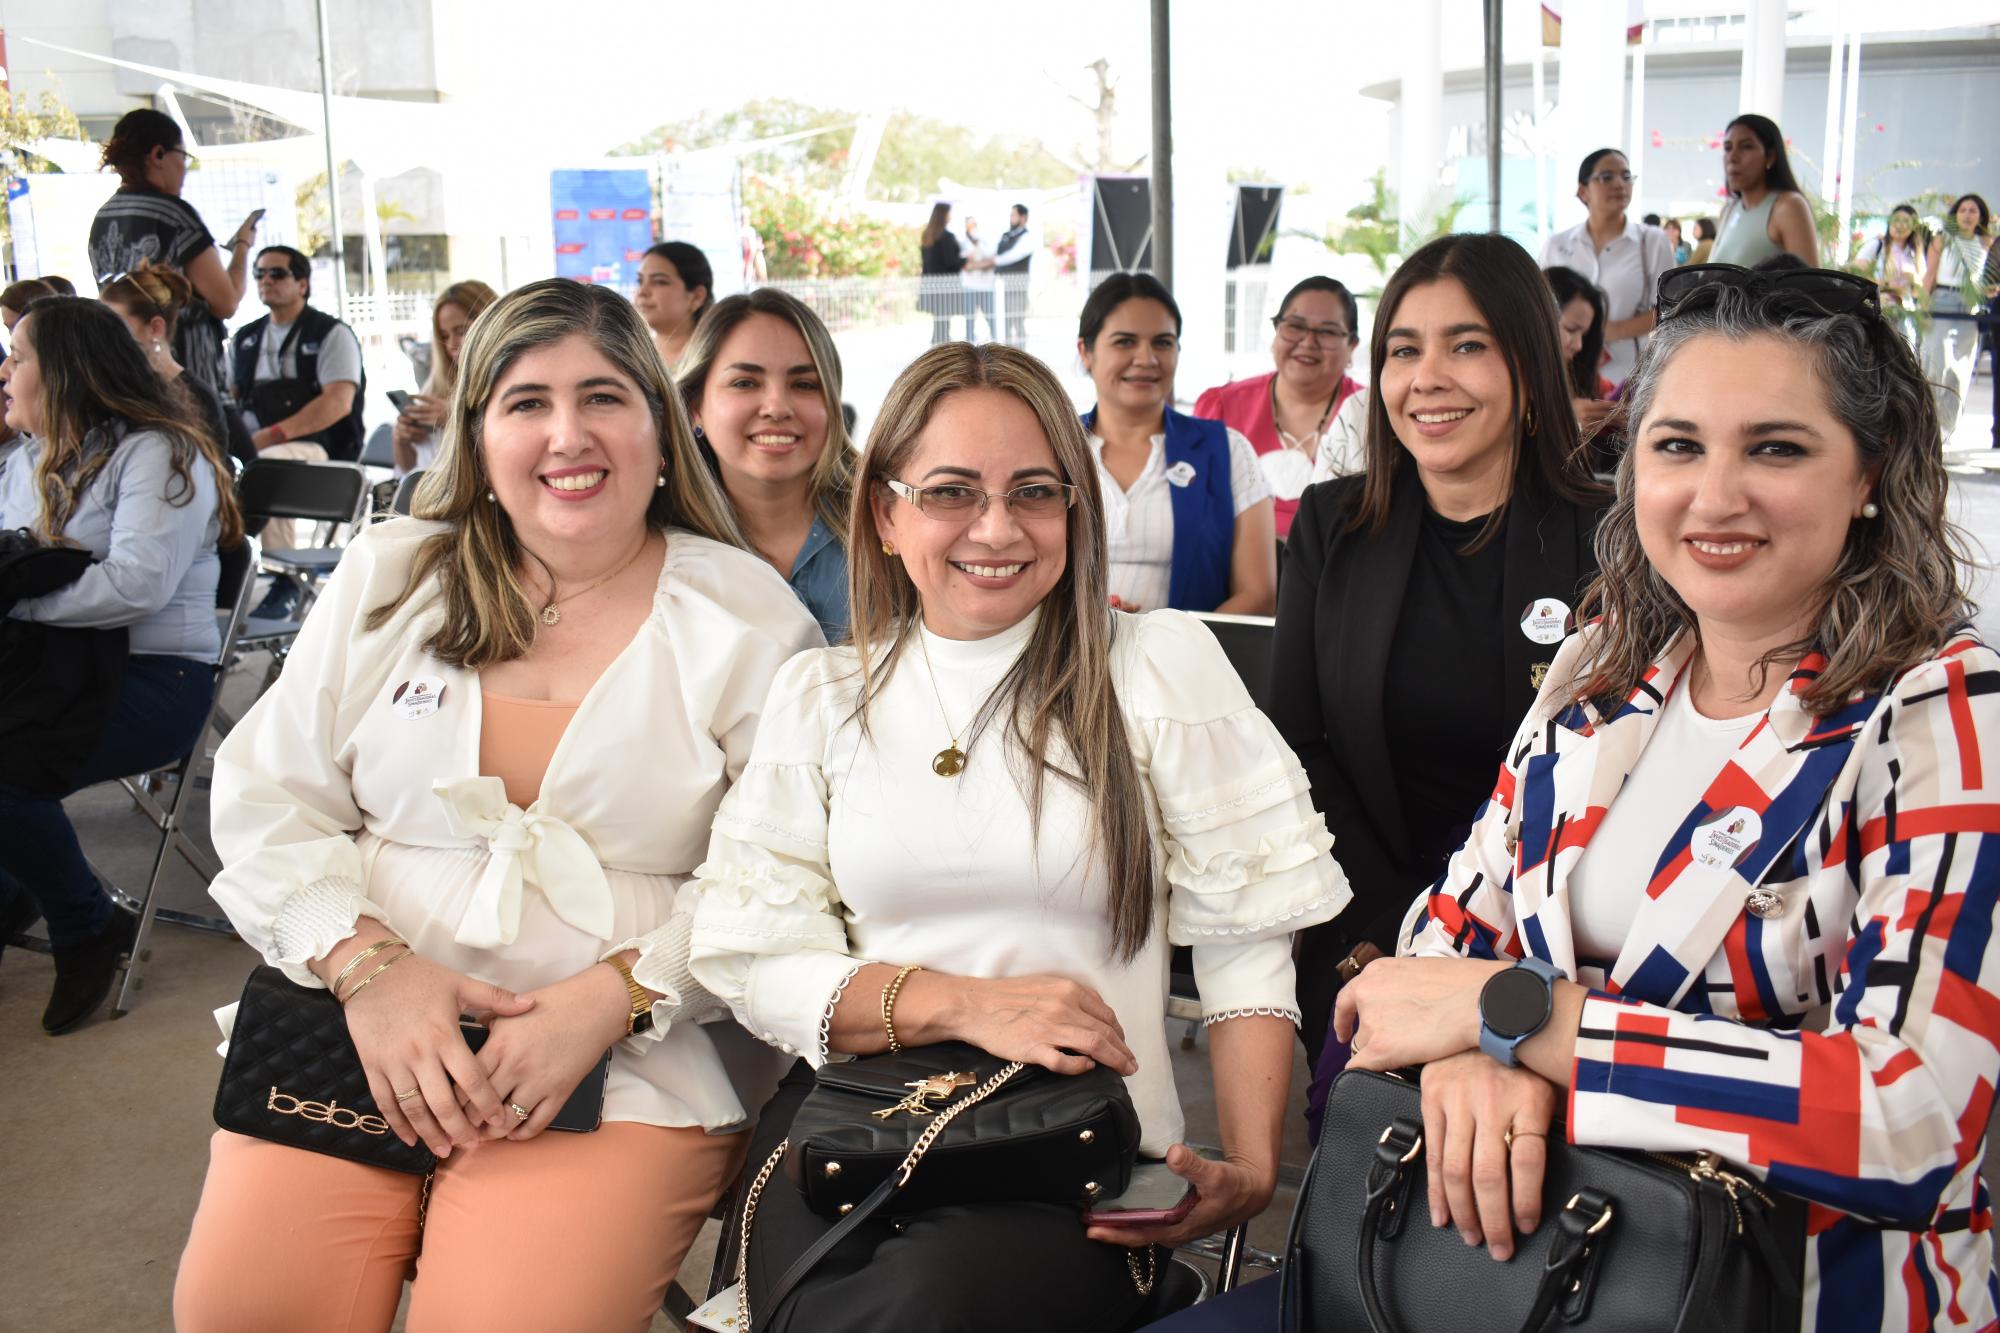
(563, 1232)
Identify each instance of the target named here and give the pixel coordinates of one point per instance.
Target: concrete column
(1763, 88)
(1590, 105)
(1420, 147)
(1850, 130)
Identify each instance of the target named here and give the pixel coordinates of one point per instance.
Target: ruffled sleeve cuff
(663, 967)
(766, 907)
(1237, 978)
(777, 806)
(312, 920)
(789, 1000)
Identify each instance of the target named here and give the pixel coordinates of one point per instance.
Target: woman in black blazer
(940, 291)
(1424, 598)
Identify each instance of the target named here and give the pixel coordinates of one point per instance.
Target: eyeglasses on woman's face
(1293, 329)
(954, 501)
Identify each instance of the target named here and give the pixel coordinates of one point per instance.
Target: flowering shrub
(812, 234)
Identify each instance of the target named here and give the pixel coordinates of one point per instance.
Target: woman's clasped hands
(1486, 1126)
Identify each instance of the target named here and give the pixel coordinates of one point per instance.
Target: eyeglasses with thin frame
(1293, 329)
(955, 500)
(274, 274)
(1612, 178)
(186, 156)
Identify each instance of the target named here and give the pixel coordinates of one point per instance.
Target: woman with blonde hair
(986, 820)
(489, 768)
(117, 465)
(413, 437)
(1734, 893)
(762, 384)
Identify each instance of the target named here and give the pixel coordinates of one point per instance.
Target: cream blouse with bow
(337, 797)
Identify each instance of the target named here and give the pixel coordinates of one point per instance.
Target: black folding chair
(1246, 640)
(162, 794)
(325, 493)
(380, 450)
(406, 493)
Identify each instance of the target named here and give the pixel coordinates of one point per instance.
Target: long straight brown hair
(94, 375)
(1514, 300)
(1058, 696)
(488, 616)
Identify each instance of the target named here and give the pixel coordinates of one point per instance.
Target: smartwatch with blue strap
(1514, 1005)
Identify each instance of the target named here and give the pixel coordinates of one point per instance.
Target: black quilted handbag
(1628, 1241)
(984, 1130)
(292, 1076)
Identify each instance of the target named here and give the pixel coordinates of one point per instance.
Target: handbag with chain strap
(985, 1130)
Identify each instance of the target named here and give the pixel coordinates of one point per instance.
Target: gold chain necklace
(552, 609)
(950, 761)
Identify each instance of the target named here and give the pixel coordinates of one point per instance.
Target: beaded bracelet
(889, 993)
(362, 957)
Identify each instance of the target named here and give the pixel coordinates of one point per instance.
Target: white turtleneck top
(835, 849)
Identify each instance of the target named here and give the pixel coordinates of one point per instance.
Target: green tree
(1376, 228)
(22, 122)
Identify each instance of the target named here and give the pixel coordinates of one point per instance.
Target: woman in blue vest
(1186, 509)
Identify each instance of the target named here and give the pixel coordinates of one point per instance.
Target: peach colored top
(517, 738)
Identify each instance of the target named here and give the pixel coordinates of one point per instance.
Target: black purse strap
(1577, 1226)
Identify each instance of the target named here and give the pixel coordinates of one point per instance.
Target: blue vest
(1204, 511)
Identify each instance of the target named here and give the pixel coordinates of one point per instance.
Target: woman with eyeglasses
(1738, 873)
(1620, 254)
(986, 820)
(146, 219)
(1424, 596)
(1305, 418)
(1187, 512)
(1766, 212)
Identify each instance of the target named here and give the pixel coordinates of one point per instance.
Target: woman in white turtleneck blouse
(887, 819)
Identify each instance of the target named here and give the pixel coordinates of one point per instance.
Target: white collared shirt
(1625, 271)
(1139, 523)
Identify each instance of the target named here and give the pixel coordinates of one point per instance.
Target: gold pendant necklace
(552, 609)
(950, 761)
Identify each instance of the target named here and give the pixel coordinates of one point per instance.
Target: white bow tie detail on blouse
(528, 847)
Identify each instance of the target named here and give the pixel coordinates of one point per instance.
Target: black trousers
(998, 1267)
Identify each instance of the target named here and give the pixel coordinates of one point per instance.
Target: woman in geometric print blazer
(1743, 857)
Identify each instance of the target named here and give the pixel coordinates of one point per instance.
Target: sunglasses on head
(1814, 291)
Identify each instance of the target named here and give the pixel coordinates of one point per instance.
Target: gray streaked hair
(1894, 596)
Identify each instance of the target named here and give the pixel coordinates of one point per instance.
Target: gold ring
(515, 1107)
(405, 1096)
(1512, 1134)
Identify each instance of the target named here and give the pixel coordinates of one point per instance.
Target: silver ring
(515, 1107)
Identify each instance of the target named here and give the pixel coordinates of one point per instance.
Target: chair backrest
(380, 450)
(1247, 641)
(406, 493)
(232, 593)
(288, 488)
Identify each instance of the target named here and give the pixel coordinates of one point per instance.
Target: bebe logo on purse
(326, 1113)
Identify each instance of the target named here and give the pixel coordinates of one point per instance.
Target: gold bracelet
(889, 993)
(361, 958)
(394, 959)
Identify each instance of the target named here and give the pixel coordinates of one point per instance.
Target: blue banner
(603, 224)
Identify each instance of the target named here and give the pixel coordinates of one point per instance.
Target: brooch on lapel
(1181, 473)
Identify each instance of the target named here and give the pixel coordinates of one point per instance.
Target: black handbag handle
(1578, 1224)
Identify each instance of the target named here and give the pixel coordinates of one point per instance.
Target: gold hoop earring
(1528, 420)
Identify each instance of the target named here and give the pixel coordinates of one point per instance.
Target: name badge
(1546, 620)
(417, 699)
(1723, 840)
(1181, 473)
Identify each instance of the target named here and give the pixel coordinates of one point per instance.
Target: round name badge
(417, 698)
(1723, 840)
(1287, 471)
(1181, 473)
(1546, 620)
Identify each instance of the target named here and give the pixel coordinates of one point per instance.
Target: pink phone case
(1144, 1217)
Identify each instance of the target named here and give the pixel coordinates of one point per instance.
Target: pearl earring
(1871, 510)
(489, 495)
(660, 479)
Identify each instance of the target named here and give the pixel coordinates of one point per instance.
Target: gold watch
(641, 1018)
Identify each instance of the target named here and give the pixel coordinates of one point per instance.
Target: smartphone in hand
(401, 398)
(1156, 1197)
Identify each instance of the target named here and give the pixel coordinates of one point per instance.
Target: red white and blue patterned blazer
(1881, 834)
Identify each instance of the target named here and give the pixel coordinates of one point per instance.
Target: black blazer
(1337, 610)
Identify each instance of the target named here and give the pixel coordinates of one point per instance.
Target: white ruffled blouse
(835, 849)
(334, 798)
